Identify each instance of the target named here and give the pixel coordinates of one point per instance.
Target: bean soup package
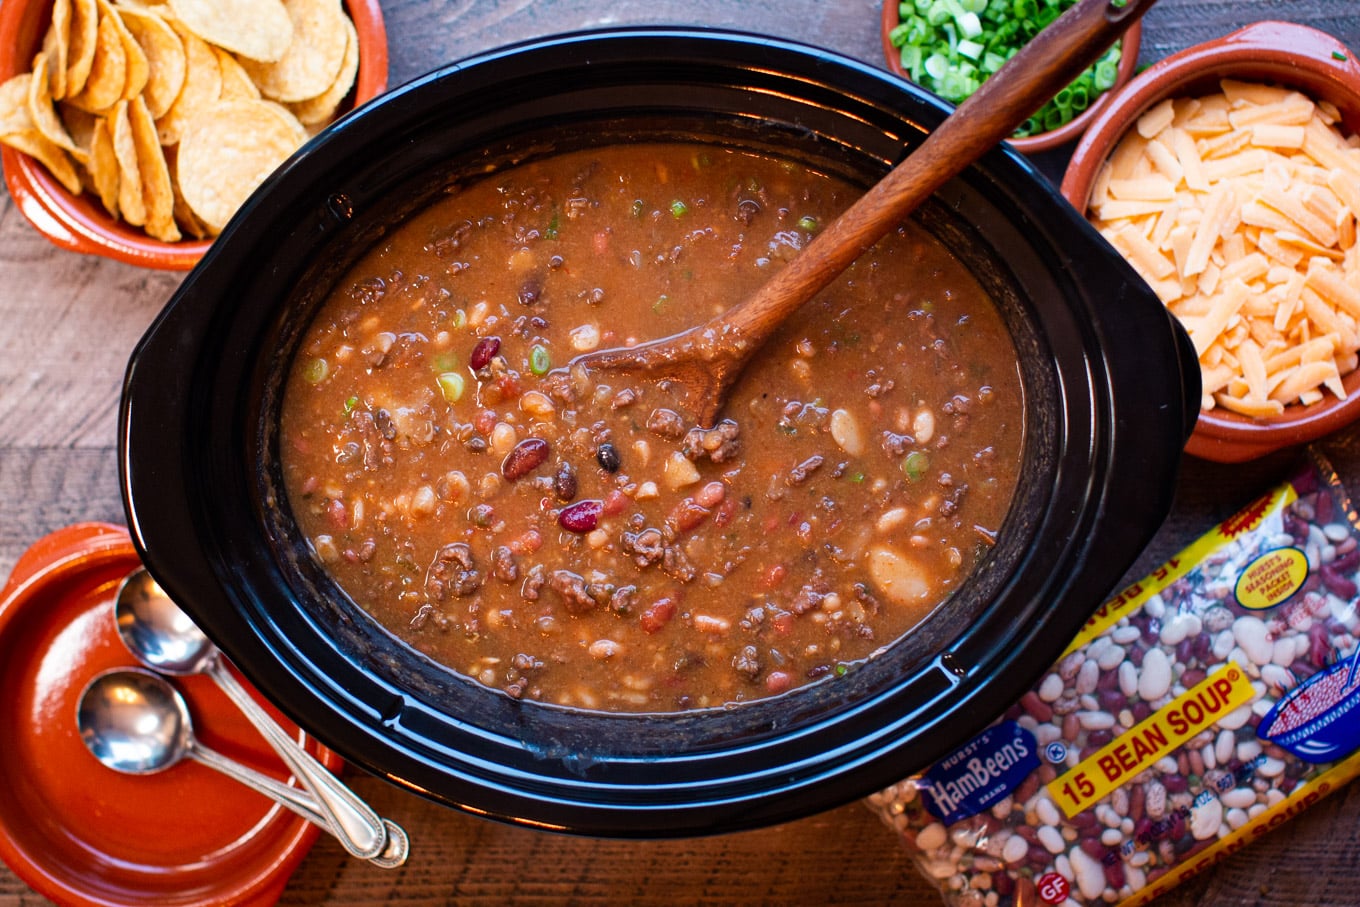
(1197, 710)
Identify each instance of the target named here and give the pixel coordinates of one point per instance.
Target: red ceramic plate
(80, 833)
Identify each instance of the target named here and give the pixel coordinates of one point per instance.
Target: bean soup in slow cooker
(570, 536)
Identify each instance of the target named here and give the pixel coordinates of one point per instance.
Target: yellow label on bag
(1223, 691)
(1272, 578)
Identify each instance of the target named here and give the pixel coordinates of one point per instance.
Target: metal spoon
(701, 364)
(134, 721)
(165, 639)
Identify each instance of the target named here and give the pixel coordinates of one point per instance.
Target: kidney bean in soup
(571, 537)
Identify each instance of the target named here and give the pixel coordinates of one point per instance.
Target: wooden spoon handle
(1043, 67)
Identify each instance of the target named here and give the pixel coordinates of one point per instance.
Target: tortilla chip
(312, 61)
(137, 67)
(108, 72)
(39, 147)
(79, 126)
(157, 192)
(84, 37)
(225, 155)
(258, 29)
(165, 57)
(202, 86)
(236, 83)
(187, 220)
(104, 165)
(55, 45)
(286, 116)
(322, 108)
(44, 114)
(14, 112)
(130, 199)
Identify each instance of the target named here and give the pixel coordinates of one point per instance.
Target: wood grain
(68, 324)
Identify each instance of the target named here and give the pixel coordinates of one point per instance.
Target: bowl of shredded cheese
(1228, 175)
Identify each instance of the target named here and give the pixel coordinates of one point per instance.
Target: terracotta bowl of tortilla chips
(192, 84)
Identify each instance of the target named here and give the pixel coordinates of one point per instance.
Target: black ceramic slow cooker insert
(1110, 383)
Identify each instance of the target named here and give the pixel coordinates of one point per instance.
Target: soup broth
(570, 537)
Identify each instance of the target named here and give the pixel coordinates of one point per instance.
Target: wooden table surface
(68, 323)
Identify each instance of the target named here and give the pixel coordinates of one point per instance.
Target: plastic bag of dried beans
(1200, 708)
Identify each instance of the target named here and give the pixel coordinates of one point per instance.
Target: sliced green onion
(679, 209)
(951, 46)
(445, 361)
(911, 61)
(808, 223)
(553, 225)
(915, 465)
(452, 385)
(638, 208)
(350, 403)
(1105, 74)
(936, 66)
(540, 360)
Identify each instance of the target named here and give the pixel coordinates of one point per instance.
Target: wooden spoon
(700, 365)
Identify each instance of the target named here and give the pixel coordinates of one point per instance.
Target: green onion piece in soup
(451, 386)
(540, 360)
(915, 465)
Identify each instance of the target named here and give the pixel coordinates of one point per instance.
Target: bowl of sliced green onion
(950, 47)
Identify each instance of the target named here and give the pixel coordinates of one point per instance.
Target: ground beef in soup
(573, 538)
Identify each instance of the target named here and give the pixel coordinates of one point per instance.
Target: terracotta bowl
(1069, 131)
(82, 835)
(1280, 52)
(80, 223)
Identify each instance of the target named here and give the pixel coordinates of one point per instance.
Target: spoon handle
(360, 830)
(1045, 65)
(299, 801)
